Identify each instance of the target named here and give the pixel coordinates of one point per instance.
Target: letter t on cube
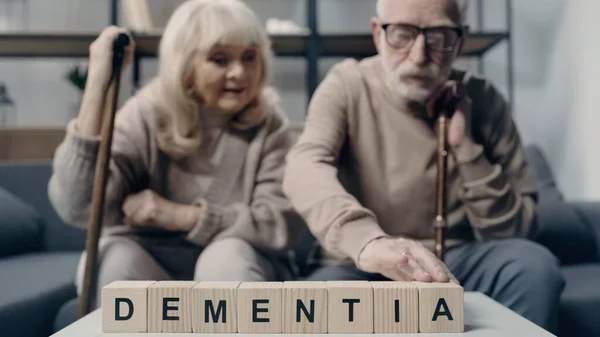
(350, 307)
(124, 306)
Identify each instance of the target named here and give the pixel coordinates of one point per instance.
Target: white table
(483, 318)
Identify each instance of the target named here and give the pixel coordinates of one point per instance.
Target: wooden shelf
(361, 45)
(283, 45)
(19, 143)
(77, 44)
(334, 45)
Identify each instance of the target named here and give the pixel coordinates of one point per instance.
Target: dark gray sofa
(39, 254)
(571, 231)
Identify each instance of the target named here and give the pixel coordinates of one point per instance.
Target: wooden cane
(100, 178)
(444, 109)
(442, 161)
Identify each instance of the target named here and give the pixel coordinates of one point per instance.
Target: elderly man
(363, 172)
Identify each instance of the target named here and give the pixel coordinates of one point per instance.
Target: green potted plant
(77, 77)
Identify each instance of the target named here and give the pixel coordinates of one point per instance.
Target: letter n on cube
(304, 307)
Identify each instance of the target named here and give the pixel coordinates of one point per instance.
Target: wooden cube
(215, 307)
(304, 307)
(170, 306)
(396, 307)
(260, 307)
(441, 307)
(124, 306)
(350, 308)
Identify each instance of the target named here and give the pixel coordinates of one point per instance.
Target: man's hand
(150, 209)
(403, 260)
(460, 116)
(459, 128)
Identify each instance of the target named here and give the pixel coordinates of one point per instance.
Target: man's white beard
(415, 90)
(409, 91)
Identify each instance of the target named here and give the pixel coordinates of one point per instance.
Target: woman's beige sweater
(236, 177)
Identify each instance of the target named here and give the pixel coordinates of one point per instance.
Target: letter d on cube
(124, 306)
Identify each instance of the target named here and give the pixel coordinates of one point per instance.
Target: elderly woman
(194, 188)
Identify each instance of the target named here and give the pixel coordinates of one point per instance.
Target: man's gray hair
(462, 5)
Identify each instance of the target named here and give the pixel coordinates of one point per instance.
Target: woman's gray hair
(199, 25)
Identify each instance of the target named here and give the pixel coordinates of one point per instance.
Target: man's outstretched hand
(402, 259)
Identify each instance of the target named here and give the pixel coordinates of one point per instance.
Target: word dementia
(351, 307)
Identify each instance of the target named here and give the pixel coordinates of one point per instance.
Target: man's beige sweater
(365, 167)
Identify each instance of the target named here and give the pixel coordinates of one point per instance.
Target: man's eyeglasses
(439, 39)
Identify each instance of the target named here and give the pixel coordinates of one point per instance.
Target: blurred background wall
(555, 68)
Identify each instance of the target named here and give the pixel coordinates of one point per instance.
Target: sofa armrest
(589, 213)
(21, 227)
(544, 177)
(563, 230)
(28, 180)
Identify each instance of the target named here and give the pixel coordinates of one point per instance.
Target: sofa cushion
(544, 177)
(67, 314)
(34, 287)
(563, 232)
(21, 227)
(560, 227)
(589, 212)
(580, 301)
(28, 180)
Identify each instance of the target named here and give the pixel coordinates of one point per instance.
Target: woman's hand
(93, 104)
(148, 209)
(101, 54)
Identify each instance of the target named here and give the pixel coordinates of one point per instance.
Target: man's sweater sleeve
(336, 218)
(498, 189)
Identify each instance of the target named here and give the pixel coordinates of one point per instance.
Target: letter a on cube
(124, 306)
(441, 307)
